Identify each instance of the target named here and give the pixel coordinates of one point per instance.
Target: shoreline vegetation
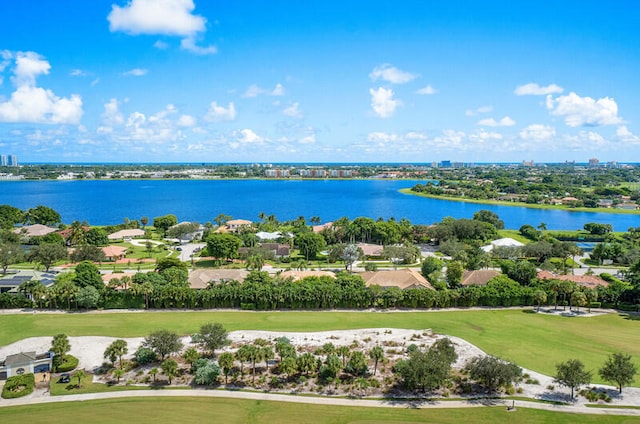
(565, 208)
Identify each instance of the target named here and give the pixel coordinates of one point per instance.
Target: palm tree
(153, 372)
(377, 354)
(344, 352)
(118, 373)
(80, 374)
(255, 262)
(542, 226)
(226, 362)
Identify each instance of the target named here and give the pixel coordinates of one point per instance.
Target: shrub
(69, 363)
(144, 356)
(18, 386)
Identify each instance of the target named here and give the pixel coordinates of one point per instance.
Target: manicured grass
(88, 386)
(177, 410)
(514, 234)
(534, 341)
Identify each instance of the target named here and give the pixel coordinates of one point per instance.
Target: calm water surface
(110, 201)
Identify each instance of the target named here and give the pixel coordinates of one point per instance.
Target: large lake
(102, 202)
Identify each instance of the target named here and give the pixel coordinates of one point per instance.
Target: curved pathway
(315, 400)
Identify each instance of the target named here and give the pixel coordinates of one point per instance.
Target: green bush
(596, 304)
(144, 356)
(69, 363)
(18, 386)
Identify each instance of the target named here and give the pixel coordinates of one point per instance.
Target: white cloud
(220, 113)
(169, 17)
(504, 122)
(427, 90)
(278, 90)
(382, 137)
(166, 17)
(481, 109)
(186, 121)
(255, 90)
(29, 103)
(78, 73)
(537, 90)
(136, 72)
(189, 44)
(28, 66)
(623, 133)
(579, 111)
(309, 139)
(247, 136)
(293, 111)
(161, 45)
(383, 103)
(112, 115)
(389, 73)
(538, 132)
(413, 135)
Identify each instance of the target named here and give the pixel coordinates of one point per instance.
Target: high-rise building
(594, 162)
(3, 160)
(13, 160)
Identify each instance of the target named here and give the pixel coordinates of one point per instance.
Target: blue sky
(330, 81)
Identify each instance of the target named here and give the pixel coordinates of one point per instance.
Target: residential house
(588, 281)
(370, 250)
(503, 242)
(126, 234)
(35, 230)
(234, 225)
(202, 278)
(25, 363)
(402, 278)
(296, 275)
(478, 277)
(113, 253)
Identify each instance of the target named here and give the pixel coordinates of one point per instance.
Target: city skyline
(193, 81)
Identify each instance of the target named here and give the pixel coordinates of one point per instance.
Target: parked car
(65, 377)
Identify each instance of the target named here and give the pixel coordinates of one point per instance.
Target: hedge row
(19, 386)
(69, 363)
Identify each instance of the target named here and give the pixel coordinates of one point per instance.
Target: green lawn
(534, 341)
(195, 410)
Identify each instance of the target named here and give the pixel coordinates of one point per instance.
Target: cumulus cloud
(165, 17)
(538, 132)
(537, 90)
(389, 73)
(382, 137)
(247, 136)
(623, 133)
(189, 44)
(136, 72)
(481, 109)
(584, 111)
(255, 90)
(161, 45)
(293, 111)
(186, 121)
(30, 103)
(428, 90)
(309, 139)
(504, 122)
(112, 115)
(220, 113)
(278, 90)
(383, 103)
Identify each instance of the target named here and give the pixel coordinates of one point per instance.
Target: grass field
(196, 410)
(534, 341)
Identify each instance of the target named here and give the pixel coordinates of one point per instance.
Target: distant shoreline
(612, 211)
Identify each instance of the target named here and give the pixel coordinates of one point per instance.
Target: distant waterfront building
(3, 160)
(13, 160)
(528, 164)
(276, 173)
(312, 173)
(445, 164)
(594, 163)
(457, 164)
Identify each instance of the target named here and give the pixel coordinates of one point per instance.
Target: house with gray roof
(25, 363)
